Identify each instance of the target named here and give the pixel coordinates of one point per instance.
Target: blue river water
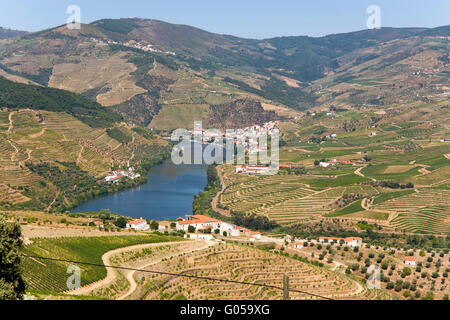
(168, 194)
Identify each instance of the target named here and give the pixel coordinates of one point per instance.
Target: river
(168, 194)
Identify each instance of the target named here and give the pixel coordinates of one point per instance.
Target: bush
(407, 271)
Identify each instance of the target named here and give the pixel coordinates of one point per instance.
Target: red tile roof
(131, 222)
(198, 218)
(348, 239)
(410, 259)
(330, 238)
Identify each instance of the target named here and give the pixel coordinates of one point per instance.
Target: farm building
(256, 235)
(349, 241)
(324, 164)
(99, 223)
(252, 169)
(411, 261)
(138, 225)
(201, 222)
(164, 225)
(329, 239)
(353, 241)
(298, 245)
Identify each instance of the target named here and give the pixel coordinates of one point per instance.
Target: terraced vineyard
(283, 198)
(9, 195)
(264, 193)
(137, 257)
(423, 211)
(52, 275)
(314, 205)
(240, 263)
(31, 136)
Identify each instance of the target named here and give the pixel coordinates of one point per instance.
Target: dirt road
(129, 274)
(359, 173)
(112, 274)
(215, 200)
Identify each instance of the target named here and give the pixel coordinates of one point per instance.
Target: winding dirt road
(215, 200)
(111, 275)
(129, 274)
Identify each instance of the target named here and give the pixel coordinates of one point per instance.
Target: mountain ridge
(149, 70)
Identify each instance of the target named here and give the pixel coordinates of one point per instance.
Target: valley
(364, 154)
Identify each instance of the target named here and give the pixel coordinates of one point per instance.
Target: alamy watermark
(74, 280)
(249, 146)
(74, 20)
(374, 280)
(374, 20)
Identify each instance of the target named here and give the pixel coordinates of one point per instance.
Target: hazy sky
(244, 18)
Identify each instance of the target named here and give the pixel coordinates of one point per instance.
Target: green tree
(104, 214)
(154, 225)
(407, 271)
(191, 229)
(12, 285)
(121, 222)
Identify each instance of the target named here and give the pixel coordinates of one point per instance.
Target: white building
(324, 164)
(256, 235)
(138, 225)
(330, 239)
(298, 245)
(99, 224)
(411, 261)
(199, 222)
(353, 241)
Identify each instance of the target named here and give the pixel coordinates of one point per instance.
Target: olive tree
(12, 285)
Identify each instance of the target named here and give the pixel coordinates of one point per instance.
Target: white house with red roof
(99, 223)
(330, 239)
(256, 235)
(201, 222)
(138, 224)
(349, 241)
(353, 241)
(298, 245)
(411, 261)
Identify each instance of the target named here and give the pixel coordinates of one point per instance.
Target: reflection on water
(168, 194)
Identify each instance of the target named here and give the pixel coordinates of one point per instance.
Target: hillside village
(146, 47)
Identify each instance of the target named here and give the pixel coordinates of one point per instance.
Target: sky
(244, 18)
